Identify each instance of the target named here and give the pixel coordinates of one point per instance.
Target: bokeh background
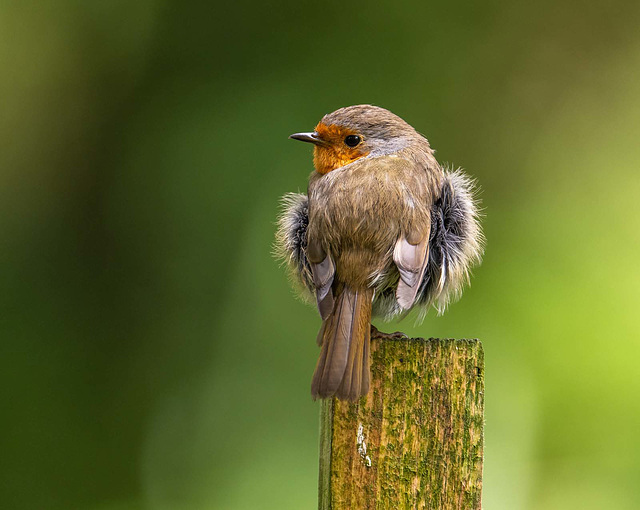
(153, 356)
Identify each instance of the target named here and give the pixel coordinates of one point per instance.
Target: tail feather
(366, 361)
(337, 342)
(351, 387)
(320, 336)
(343, 365)
(353, 369)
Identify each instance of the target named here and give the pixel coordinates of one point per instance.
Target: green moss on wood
(421, 441)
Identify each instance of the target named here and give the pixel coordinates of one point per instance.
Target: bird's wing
(308, 262)
(410, 255)
(323, 270)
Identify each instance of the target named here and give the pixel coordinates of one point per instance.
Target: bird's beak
(308, 137)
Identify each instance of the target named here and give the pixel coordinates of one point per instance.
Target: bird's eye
(352, 140)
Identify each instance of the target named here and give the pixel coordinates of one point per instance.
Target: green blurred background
(153, 355)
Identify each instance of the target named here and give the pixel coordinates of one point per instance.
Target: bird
(382, 230)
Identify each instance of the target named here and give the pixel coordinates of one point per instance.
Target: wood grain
(416, 440)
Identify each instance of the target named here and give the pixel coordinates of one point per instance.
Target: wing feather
(411, 261)
(323, 271)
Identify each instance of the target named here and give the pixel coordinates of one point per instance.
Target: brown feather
(366, 362)
(325, 306)
(353, 391)
(322, 270)
(339, 370)
(320, 336)
(351, 382)
(335, 348)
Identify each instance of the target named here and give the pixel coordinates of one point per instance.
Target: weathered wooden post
(416, 440)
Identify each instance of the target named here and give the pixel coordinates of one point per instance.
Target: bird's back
(360, 210)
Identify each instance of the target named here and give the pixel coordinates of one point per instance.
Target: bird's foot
(375, 333)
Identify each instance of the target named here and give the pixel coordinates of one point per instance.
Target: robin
(382, 230)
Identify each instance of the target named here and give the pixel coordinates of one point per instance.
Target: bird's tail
(343, 365)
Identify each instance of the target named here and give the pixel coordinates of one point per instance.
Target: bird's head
(355, 132)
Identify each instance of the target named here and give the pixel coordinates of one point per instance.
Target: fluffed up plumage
(456, 245)
(383, 229)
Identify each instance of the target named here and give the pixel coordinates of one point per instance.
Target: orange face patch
(335, 153)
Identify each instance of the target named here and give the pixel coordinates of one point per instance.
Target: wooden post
(416, 440)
